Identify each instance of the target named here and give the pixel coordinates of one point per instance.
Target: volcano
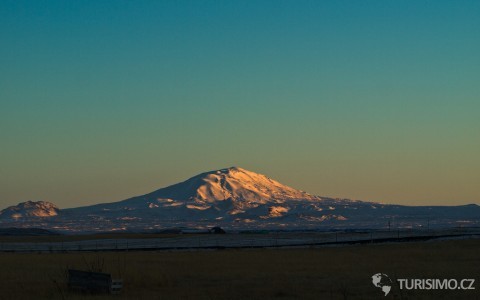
(238, 198)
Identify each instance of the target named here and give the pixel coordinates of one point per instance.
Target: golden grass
(313, 273)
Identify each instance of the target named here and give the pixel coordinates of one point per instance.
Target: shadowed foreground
(313, 273)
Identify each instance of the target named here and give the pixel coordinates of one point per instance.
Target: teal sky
(372, 100)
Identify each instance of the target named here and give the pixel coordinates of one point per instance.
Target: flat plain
(336, 272)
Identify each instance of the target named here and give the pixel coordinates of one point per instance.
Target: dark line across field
(252, 246)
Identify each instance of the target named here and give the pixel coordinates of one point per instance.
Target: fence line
(213, 241)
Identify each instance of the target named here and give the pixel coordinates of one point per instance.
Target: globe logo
(383, 282)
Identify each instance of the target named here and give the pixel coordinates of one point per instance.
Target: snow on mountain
(30, 209)
(245, 189)
(222, 193)
(238, 198)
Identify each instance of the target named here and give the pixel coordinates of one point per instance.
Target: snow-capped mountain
(238, 198)
(232, 190)
(30, 209)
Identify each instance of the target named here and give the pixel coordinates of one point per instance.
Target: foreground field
(313, 273)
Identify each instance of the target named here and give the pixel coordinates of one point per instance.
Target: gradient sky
(372, 100)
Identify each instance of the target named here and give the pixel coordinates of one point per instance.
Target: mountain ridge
(238, 198)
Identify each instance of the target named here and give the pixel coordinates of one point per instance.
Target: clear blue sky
(373, 100)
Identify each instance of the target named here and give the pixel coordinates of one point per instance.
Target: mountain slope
(232, 188)
(232, 183)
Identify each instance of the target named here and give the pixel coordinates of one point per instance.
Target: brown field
(84, 237)
(313, 273)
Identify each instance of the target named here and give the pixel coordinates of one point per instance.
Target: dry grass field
(312, 273)
(83, 237)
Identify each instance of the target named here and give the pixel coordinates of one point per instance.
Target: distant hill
(30, 209)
